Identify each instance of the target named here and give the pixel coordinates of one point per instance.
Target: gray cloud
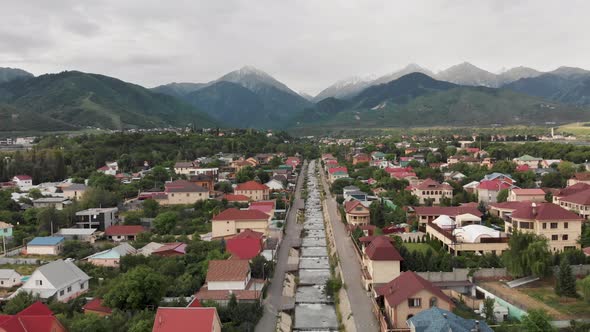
(308, 44)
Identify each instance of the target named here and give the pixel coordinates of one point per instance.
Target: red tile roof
(185, 319)
(405, 286)
(175, 247)
(235, 214)
(244, 248)
(583, 176)
(451, 211)
(195, 303)
(236, 198)
(36, 318)
(495, 185)
(350, 205)
(544, 211)
(586, 251)
(381, 249)
(572, 189)
(249, 234)
(23, 177)
(581, 197)
(228, 270)
(96, 305)
(36, 309)
(337, 169)
(510, 205)
(430, 184)
(251, 185)
(124, 230)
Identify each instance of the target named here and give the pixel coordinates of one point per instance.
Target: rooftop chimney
(445, 315)
(534, 208)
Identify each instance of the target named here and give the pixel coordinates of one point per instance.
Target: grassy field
(568, 306)
(23, 269)
(423, 247)
(579, 129)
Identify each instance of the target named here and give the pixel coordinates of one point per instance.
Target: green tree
(260, 264)
(35, 193)
(537, 320)
(98, 197)
(502, 196)
(77, 249)
(566, 281)
(527, 254)
(150, 208)
(585, 288)
(488, 310)
(136, 289)
(21, 301)
(245, 174)
(566, 168)
(165, 222)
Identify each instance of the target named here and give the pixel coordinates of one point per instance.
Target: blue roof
(436, 320)
(46, 241)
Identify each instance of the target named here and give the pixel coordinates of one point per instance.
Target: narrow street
(273, 300)
(351, 268)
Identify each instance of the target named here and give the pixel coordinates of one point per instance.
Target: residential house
(61, 279)
(583, 177)
(182, 192)
(357, 213)
(232, 198)
(488, 162)
(111, 257)
(360, 158)
(437, 319)
(9, 278)
(471, 187)
(80, 234)
(35, 318)
(120, 233)
(96, 307)
(454, 176)
(408, 295)
(149, 248)
(240, 164)
(233, 221)
(57, 203)
(191, 319)
(275, 185)
(171, 249)
(5, 230)
(426, 214)
(268, 207)
(378, 155)
(532, 162)
(230, 277)
(23, 182)
(575, 198)
(245, 245)
(74, 191)
(504, 210)
(380, 262)
(499, 177)
(254, 190)
(204, 180)
(520, 195)
(294, 162)
(356, 195)
(99, 218)
(335, 173)
(488, 190)
(472, 238)
(45, 245)
(431, 190)
(561, 227)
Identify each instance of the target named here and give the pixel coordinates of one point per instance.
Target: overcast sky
(306, 44)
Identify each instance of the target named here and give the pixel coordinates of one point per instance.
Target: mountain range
(250, 98)
(74, 100)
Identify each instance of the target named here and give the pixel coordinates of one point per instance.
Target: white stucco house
(61, 279)
(9, 278)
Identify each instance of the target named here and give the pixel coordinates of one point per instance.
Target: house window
(69, 289)
(414, 303)
(38, 282)
(187, 195)
(554, 237)
(564, 237)
(2, 282)
(82, 285)
(61, 292)
(433, 301)
(565, 225)
(553, 225)
(544, 225)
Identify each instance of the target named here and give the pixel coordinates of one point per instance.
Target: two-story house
(488, 190)
(357, 213)
(233, 221)
(61, 279)
(74, 191)
(381, 262)
(227, 277)
(561, 227)
(99, 218)
(431, 190)
(23, 182)
(532, 194)
(182, 192)
(575, 198)
(409, 294)
(335, 173)
(254, 190)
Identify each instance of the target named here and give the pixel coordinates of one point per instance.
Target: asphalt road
(274, 294)
(360, 301)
